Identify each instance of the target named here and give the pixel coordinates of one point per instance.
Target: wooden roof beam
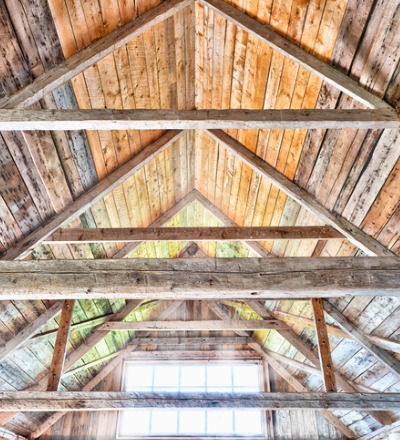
(80, 61)
(203, 278)
(291, 50)
(84, 202)
(110, 119)
(355, 235)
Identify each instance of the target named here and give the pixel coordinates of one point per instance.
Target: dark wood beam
(109, 119)
(226, 233)
(351, 232)
(177, 279)
(60, 346)
(324, 350)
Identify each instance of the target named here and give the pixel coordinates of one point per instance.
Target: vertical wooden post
(323, 346)
(60, 346)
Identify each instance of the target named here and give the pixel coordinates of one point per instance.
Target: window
(191, 422)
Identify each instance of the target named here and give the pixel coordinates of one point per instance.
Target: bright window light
(209, 378)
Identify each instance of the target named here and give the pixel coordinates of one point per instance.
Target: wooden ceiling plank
(381, 355)
(351, 232)
(291, 50)
(383, 433)
(101, 400)
(276, 366)
(23, 248)
(324, 349)
(142, 119)
(77, 63)
(227, 233)
(60, 346)
(203, 278)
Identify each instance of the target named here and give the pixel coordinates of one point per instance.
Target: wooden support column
(324, 349)
(60, 346)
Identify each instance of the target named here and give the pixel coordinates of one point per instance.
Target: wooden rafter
(324, 350)
(60, 346)
(80, 205)
(77, 63)
(109, 119)
(203, 278)
(229, 233)
(351, 232)
(296, 53)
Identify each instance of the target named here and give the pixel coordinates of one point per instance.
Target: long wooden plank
(383, 433)
(258, 248)
(209, 325)
(296, 53)
(80, 205)
(174, 355)
(202, 278)
(383, 356)
(77, 63)
(260, 233)
(109, 119)
(60, 346)
(324, 350)
(350, 231)
(29, 331)
(217, 340)
(36, 401)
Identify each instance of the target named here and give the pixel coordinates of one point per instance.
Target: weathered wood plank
(217, 340)
(110, 119)
(80, 205)
(200, 278)
(60, 346)
(296, 53)
(324, 350)
(350, 231)
(208, 325)
(100, 235)
(77, 63)
(194, 355)
(100, 401)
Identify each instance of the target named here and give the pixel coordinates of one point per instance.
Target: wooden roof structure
(200, 179)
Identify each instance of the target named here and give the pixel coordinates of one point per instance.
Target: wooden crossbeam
(296, 53)
(210, 325)
(80, 205)
(230, 233)
(205, 355)
(203, 278)
(324, 350)
(350, 231)
(77, 63)
(109, 119)
(383, 356)
(60, 346)
(216, 340)
(106, 401)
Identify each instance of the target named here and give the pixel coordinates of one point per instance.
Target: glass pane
(192, 421)
(193, 376)
(134, 422)
(139, 376)
(220, 422)
(219, 376)
(246, 376)
(248, 422)
(166, 376)
(164, 421)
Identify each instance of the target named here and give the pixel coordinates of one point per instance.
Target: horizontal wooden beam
(109, 119)
(221, 340)
(173, 355)
(101, 401)
(179, 279)
(358, 237)
(80, 61)
(291, 50)
(259, 233)
(210, 325)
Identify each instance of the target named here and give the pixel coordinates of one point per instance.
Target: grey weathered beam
(216, 340)
(22, 248)
(179, 279)
(80, 61)
(100, 401)
(109, 119)
(291, 50)
(350, 231)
